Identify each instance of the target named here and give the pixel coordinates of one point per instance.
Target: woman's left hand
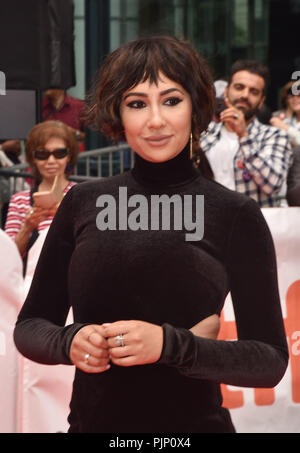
(143, 342)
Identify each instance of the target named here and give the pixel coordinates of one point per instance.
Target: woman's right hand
(89, 349)
(34, 216)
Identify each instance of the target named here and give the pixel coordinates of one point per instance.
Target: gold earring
(191, 145)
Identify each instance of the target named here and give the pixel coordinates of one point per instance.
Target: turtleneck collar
(175, 171)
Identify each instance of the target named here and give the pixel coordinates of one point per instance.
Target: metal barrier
(97, 163)
(106, 161)
(12, 179)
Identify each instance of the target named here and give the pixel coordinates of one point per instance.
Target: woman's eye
(172, 101)
(136, 104)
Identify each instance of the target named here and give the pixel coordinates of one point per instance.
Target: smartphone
(220, 106)
(49, 199)
(44, 200)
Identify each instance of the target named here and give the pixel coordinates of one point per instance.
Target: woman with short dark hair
(146, 260)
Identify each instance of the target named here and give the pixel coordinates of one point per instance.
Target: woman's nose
(156, 118)
(51, 158)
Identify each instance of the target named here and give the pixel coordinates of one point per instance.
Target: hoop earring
(191, 145)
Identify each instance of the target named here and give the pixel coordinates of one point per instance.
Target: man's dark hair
(255, 67)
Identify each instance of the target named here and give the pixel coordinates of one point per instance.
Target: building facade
(222, 30)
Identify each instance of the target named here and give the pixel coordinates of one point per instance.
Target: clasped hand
(95, 346)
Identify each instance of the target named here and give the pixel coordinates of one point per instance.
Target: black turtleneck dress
(158, 276)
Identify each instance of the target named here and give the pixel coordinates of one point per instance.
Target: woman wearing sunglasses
(289, 117)
(51, 150)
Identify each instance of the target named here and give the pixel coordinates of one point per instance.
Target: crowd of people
(246, 155)
(244, 152)
(146, 304)
(56, 105)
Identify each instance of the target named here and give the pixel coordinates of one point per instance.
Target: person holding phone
(146, 298)
(51, 150)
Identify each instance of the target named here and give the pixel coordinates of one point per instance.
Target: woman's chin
(158, 157)
(49, 176)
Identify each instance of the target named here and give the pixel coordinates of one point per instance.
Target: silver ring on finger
(86, 357)
(120, 340)
(235, 116)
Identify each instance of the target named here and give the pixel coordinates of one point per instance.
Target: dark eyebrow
(162, 93)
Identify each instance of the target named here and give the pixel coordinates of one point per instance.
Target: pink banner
(275, 410)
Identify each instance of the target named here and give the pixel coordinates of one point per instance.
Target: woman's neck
(178, 170)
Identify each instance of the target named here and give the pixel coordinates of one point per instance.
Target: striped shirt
(18, 206)
(261, 163)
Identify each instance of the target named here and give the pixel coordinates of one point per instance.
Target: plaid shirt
(261, 163)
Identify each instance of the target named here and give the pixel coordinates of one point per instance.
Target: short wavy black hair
(143, 59)
(253, 66)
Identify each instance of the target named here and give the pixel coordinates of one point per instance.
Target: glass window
(124, 21)
(223, 30)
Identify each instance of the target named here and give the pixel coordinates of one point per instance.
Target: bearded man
(244, 154)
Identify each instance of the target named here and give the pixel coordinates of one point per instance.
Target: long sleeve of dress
(259, 357)
(40, 333)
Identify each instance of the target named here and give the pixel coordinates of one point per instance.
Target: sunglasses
(43, 154)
